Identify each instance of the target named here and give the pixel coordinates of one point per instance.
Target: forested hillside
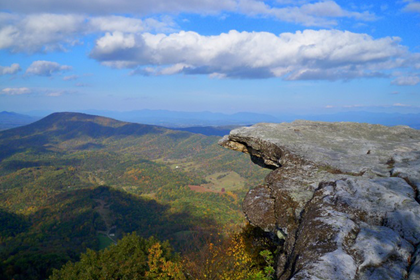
(71, 181)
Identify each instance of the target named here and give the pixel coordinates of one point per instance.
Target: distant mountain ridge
(174, 119)
(388, 119)
(185, 119)
(10, 120)
(209, 123)
(208, 130)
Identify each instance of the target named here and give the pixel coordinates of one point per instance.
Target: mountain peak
(81, 117)
(68, 125)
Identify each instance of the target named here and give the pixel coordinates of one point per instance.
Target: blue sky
(227, 56)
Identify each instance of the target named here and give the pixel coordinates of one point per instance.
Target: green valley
(72, 182)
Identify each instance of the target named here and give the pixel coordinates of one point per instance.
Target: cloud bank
(56, 25)
(122, 6)
(129, 42)
(307, 55)
(56, 32)
(320, 13)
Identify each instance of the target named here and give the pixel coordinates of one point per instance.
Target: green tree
(133, 257)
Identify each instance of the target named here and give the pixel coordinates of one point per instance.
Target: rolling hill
(74, 181)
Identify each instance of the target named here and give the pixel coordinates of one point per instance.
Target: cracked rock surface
(344, 196)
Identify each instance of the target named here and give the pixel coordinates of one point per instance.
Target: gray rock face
(344, 196)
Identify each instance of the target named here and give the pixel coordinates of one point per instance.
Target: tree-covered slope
(71, 222)
(52, 209)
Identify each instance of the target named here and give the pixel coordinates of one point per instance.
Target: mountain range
(209, 123)
(71, 182)
(11, 120)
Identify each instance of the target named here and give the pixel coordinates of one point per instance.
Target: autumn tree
(131, 258)
(227, 259)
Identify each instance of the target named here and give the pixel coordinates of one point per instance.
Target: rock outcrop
(344, 197)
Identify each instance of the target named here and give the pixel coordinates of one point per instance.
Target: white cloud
(51, 32)
(46, 68)
(117, 23)
(141, 7)
(295, 2)
(307, 13)
(406, 80)
(129, 25)
(70, 78)
(311, 54)
(12, 69)
(400, 105)
(82, 85)
(353, 106)
(55, 93)
(322, 13)
(40, 32)
(412, 6)
(16, 91)
(52, 25)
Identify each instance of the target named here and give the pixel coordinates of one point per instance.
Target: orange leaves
(160, 268)
(224, 260)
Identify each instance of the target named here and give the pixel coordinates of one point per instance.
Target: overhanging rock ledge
(343, 196)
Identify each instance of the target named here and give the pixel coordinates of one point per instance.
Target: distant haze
(195, 121)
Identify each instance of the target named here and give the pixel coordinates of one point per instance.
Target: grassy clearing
(201, 189)
(104, 241)
(186, 166)
(228, 180)
(149, 196)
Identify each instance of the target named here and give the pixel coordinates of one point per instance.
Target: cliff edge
(342, 199)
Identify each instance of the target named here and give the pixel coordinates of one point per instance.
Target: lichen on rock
(344, 196)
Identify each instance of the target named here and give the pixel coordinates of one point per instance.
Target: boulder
(344, 197)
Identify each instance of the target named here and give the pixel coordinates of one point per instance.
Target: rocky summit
(342, 200)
